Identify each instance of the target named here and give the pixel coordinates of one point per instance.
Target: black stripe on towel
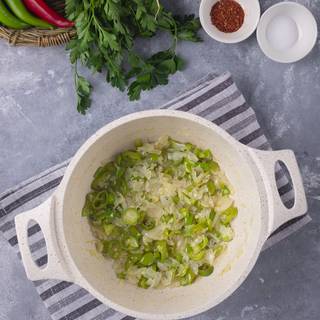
(208, 94)
(42, 261)
(32, 194)
(231, 114)
(33, 180)
(31, 231)
(2, 213)
(75, 314)
(252, 136)
(284, 189)
(55, 289)
(65, 301)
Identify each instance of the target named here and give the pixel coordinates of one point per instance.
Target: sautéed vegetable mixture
(161, 212)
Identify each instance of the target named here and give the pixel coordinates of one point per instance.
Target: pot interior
(231, 267)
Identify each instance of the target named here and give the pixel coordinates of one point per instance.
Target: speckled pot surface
(70, 245)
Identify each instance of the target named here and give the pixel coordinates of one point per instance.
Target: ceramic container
(252, 15)
(287, 32)
(70, 245)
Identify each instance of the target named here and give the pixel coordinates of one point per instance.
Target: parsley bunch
(106, 30)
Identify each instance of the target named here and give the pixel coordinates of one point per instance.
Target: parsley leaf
(83, 89)
(106, 30)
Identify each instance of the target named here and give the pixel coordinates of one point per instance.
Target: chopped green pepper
(205, 270)
(147, 259)
(143, 283)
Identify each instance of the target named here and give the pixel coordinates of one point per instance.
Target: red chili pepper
(43, 11)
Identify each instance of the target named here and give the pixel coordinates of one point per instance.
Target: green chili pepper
(102, 175)
(211, 187)
(9, 20)
(189, 219)
(207, 154)
(23, 14)
(209, 220)
(209, 166)
(132, 259)
(195, 255)
(200, 246)
(98, 218)
(147, 259)
(198, 256)
(228, 215)
(87, 209)
(205, 270)
(182, 270)
(157, 257)
(129, 158)
(143, 283)
(162, 248)
(99, 201)
(203, 154)
(132, 243)
(154, 157)
(134, 232)
(188, 278)
(225, 190)
(112, 249)
(212, 214)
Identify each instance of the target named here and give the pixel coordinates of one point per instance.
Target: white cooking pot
(70, 242)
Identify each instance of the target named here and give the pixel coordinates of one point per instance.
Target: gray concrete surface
(39, 127)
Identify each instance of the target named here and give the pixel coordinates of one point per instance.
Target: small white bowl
(287, 32)
(252, 15)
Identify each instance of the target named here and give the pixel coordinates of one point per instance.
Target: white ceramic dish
(287, 32)
(251, 19)
(70, 242)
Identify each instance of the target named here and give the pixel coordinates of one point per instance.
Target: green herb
(83, 89)
(106, 30)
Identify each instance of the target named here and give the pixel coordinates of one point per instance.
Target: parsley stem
(158, 10)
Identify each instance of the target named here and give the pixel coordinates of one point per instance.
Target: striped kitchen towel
(215, 98)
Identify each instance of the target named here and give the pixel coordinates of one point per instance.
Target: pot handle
(44, 216)
(279, 213)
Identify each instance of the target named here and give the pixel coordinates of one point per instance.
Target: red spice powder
(227, 15)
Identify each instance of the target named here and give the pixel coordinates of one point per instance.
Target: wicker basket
(39, 37)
